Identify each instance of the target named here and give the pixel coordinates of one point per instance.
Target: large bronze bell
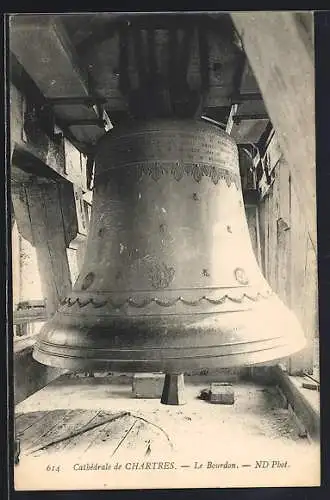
(170, 282)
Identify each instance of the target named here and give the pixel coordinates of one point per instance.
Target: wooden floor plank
(41, 428)
(33, 435)
(253, 414)
(81, 443)
(37, 423)
(25, 420)
(143, 440)
(77, 419)
(107, 438)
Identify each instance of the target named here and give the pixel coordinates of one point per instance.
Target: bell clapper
(173, 390)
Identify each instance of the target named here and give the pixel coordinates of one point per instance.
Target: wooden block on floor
(222, 393)
(148, 385)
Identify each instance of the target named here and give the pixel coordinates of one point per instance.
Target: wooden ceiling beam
(42, 46)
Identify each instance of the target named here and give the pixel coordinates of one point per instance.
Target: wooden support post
(40, 221)
(281, 56)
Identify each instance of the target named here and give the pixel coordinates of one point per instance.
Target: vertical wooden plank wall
(286, 80)
(289, 260)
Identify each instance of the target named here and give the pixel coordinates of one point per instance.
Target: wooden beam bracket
(40, 155)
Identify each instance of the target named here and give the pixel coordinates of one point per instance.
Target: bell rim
(182, 364)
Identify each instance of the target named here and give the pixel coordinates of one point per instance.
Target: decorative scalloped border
(156, 169)
(161, 302)
(196, 171)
